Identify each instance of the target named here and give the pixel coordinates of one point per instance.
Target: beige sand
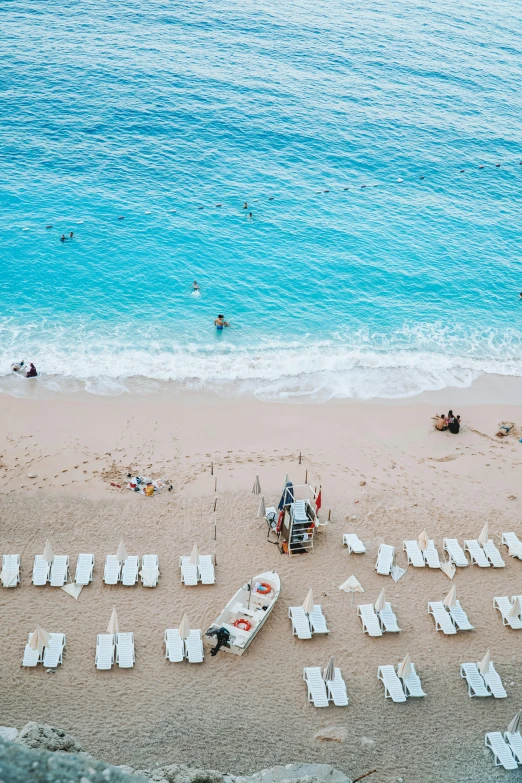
(241, 714)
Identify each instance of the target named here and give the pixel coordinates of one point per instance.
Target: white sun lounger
(476, 684)
(413, 553)
(336, 690)
(129, 571)
(104, 651)
(318, 620)
(494, 683)
(112, 570)
(385, 559)
(31, 657)
(53, 652)
(125, 657)
(354, 543)
(412, 684)
(59, 570)
(189, 572)
(460, 618)
(455, 552)
(174, 646)
(84, 569)
(41, 571)
(442, 617)
(369, 619)
(392, 685)
(476, 553)
(206, 570)
(388, 619)
(300, 622)
(149, 570)
(493, 555)
(194, 646)
(317, 694)
(515, 744)
(503, 604)
(431, 556)
(10, 570)
(512, 541)
(501, 751)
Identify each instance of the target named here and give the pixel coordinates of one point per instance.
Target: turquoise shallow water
(156, 112)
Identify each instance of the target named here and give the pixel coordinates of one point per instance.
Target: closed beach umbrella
(261, 511)
(48, 553)
(194, 555)
(114, 625)
(329, 672)
(514, 725)
(184, 628)
(451, 599)
(448, 569)
(257, 487)
(380, 602)
(308, 605)
(423, 540)
(39, 639)
(515, 608)
(352, 585)
(404, 669)
(484, 536)
(485, 663)
(121, 554)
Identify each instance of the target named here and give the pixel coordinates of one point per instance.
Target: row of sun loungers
(449, 620)
(126, 572)
(507, 749)
(306, 624)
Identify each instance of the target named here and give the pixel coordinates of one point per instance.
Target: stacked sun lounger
(449, 620)
(502, 752)
(505, 607)
(178, 649)
(353, 543)
(321, 692)
(399, 689)
(304, 625)
(482, 685)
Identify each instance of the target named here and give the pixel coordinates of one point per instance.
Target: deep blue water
(155, 109)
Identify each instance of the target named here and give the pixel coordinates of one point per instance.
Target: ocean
(377, 146)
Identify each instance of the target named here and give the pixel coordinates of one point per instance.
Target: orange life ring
(244, 624)
(263, 588)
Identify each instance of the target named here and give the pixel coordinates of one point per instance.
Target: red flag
(318, 502)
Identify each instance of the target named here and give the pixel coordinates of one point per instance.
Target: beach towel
(139, 483)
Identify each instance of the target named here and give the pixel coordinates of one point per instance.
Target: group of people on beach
(449, 422)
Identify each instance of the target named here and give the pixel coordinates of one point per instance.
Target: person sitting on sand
(31, 372)
(441, 423)
(454, 425)
(220, 322)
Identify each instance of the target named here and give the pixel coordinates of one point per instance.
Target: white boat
(244, 615)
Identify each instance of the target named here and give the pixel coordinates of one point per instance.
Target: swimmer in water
(71, 235)
(62, 238)
(220, 322)
(250, 216)
(245, 205)
(195, 286)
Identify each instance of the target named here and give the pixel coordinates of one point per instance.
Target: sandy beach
(385, 474)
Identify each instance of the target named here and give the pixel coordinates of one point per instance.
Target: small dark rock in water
(461, 171)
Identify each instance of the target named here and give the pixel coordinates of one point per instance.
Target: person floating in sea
(63, 238)
(195, 286)
(71, 235)
(245, 205)
(220, 322)
(250, 216)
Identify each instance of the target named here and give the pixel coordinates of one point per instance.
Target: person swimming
(63, 238)
(195, 286)
(220, 322)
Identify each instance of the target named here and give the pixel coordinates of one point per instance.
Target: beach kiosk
(295, 521)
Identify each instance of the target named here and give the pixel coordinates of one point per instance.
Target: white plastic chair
(503, 604)
(10, 570)
(476, 553)
(455, 552)
(84, 569)
(125, 657)
(300, 622)
(149, 570)
(206, 570)
(385, 559)
(129, 571)
(460, 618)
(112, 570)
(369, 619)
(189, 572)
(474, 679)
(53, 651)
(442, 617)
(392, 685)
(318, 620)
(59, 570)
(501, 751)
(412, 684)
(41, 571)
(194, 646)
(174, 646)
(493, 555)
(414, 554)
(336, 689)
(354, 544)
(388, 619)
(104, 651)
(317, 694)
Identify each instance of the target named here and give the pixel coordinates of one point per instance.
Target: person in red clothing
(31, 372)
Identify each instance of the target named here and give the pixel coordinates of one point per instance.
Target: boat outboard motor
(223, 639)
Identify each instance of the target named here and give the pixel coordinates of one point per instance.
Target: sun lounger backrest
(300, 622)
